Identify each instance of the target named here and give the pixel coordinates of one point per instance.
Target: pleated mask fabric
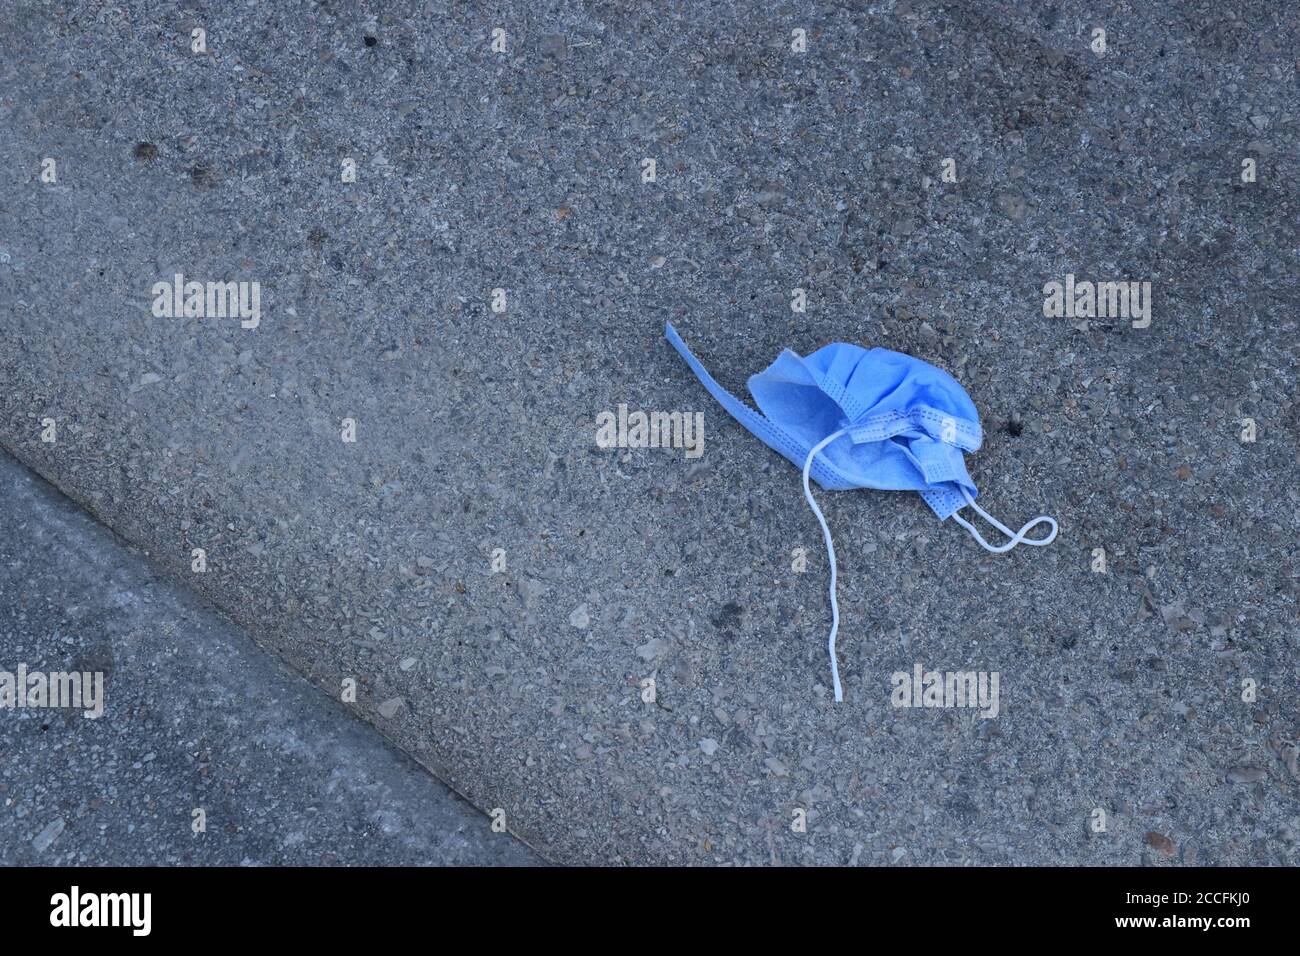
(852, 417)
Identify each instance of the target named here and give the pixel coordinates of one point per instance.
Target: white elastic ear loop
(830, 551)
(1017, 537)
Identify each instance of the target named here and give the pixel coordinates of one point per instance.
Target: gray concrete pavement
(521, 684)
(205, 751)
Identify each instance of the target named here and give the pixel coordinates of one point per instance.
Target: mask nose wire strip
(1017, 537)
(830, 551)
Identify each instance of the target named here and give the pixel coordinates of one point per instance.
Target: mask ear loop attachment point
(830, 551)
(1017, 537)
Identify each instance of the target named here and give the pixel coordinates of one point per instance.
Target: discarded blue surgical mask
(867, 418)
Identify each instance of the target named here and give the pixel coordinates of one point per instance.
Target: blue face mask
(867, 418)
